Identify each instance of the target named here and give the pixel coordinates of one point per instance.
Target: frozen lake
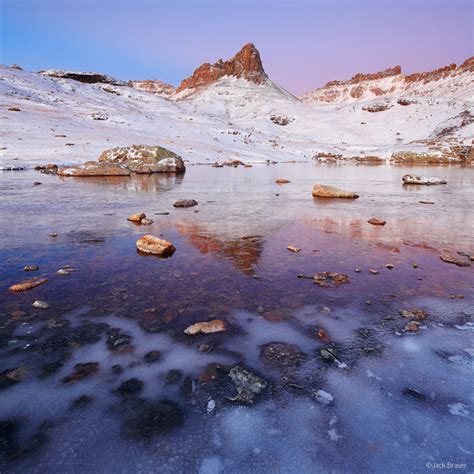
(153, 399)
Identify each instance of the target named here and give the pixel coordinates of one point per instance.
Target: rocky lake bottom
(369, 373)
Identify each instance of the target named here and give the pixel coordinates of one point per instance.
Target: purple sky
(303, 43)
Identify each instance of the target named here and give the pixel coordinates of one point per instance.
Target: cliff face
(245, 64)
(443, 81)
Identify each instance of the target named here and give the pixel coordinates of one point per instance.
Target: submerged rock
(248, 385)
(150, 419)
(153, 356)
(40, 304)
(173, 376)
(328, 279)
(428, 180)
(117, 340)
(322, 191)
(185, 203)
(155, 246)
(282, 355)
(413, 393)
(144, 159)
(92, 168)
(130, 387)
(82, 401)
(27, 284)
(206, 327)
(82, 371)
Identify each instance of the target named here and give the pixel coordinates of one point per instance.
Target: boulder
(282, 181)
(454, 260)
(322, 191)
(156, 246)
(427, 180)
(92, 168)
(144, 159)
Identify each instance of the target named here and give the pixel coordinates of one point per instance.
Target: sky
(303, 43)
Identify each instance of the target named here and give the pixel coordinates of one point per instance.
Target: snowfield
(68, 122)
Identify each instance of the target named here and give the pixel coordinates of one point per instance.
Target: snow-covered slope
(65, 121)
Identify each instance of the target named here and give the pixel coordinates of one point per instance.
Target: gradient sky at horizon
(303, 43)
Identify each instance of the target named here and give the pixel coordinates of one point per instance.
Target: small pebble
(40, 304)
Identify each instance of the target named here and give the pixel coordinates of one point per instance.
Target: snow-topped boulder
(416, 179)
(144, 159)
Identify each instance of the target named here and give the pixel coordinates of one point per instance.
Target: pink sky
(303, 43)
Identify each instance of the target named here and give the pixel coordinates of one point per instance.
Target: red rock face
(393, 71)
(369, 86)
(246, 64)
(429, 76)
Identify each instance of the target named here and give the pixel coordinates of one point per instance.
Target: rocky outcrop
(392, 81)
(144, 159)
(245, 64)
(86, 77)
(153, 86)
(322, 191)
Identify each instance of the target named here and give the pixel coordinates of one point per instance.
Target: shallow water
(400, 400)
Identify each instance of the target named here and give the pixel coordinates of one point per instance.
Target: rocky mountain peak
(245, 64)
